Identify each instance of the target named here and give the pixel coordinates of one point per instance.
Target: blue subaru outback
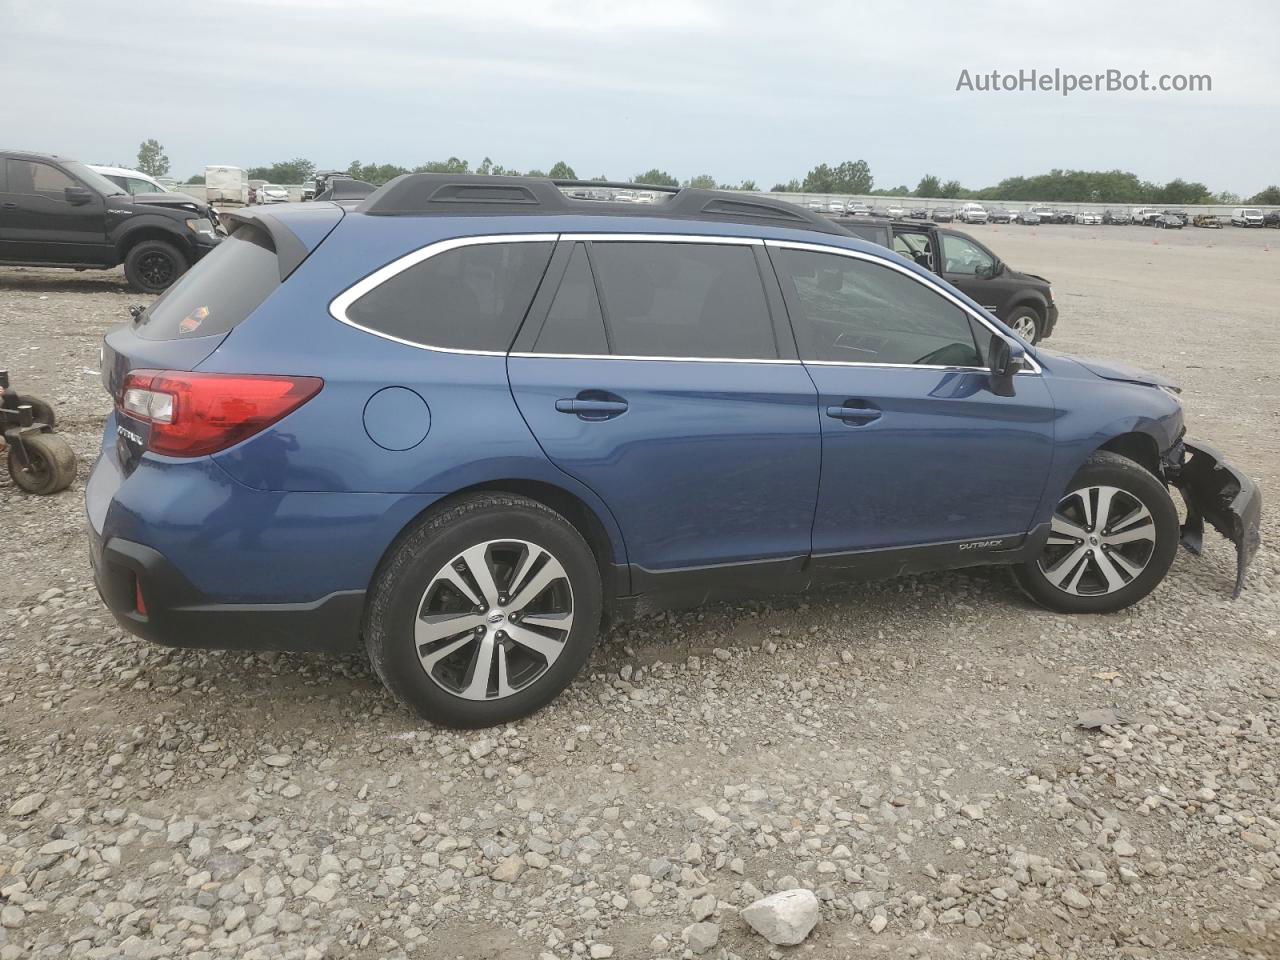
(464, 419)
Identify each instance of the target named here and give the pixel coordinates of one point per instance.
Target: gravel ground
(909, 751)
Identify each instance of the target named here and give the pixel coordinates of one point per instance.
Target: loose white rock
(784, 918)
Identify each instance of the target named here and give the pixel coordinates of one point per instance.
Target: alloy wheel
(1025, 327)
(156, 268)
(494, 619)
(1101, 539)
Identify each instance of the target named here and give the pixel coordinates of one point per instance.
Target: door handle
(855, 413)
(9, 205)
(593, 408)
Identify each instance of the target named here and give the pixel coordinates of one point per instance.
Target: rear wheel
(153, 265)
(50, 467)
(484, 612)
(1113, 537)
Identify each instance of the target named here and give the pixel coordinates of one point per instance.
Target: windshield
(1252, 213)
(93, 179)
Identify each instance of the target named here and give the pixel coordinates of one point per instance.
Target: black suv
(1023, 301)
(56, 212)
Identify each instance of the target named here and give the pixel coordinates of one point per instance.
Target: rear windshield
(223, 289)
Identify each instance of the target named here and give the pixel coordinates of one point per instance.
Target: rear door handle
(593, 408)
(855, 413)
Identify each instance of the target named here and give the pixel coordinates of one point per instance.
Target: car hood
(177, 201)
(1108, 370)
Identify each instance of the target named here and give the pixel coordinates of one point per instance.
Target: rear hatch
(190, 320)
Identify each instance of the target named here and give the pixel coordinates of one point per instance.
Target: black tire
(1025, 312)
(1111, 469)
(51, 466)
(152, 266)
(412, 564)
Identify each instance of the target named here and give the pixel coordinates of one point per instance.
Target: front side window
(683, 300)
(852, 311)
(469, 298)
(136, 186)
(914, 246)
(39, 179)
(965, 257)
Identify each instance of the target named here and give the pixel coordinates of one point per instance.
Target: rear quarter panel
(476, 434)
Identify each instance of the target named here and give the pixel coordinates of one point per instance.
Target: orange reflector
(139, 604)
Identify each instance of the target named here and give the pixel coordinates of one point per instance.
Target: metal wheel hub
(156, 268)
(1024, 327)
(494, 619)
(1100, 541)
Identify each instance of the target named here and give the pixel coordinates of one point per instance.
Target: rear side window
(468, 298)
(683, 300)
(228, 285)
(574, 323)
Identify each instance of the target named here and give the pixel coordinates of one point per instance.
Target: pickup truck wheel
(153, 265)
(1025, 322)
(1113, 537)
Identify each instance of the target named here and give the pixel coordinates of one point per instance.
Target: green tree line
(849, 176)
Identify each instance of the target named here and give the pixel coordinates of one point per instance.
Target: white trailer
(223, 184)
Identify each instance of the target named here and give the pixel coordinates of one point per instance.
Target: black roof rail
(444, 194)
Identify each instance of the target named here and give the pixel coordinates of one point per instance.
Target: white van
(224, 184)
(1246, 217)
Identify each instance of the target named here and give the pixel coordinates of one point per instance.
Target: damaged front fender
(1217, 492)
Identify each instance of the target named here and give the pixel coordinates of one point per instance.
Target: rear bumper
(173, 611)
(1218, 492)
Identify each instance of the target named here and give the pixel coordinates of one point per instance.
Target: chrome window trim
(529, 355)
(339, 304)
(924, 282)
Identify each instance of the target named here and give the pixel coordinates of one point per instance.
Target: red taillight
(193, 414)
(139, 604)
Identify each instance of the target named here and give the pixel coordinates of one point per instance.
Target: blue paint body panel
(712, 463)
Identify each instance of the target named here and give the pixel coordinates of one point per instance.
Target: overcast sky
(736, 88)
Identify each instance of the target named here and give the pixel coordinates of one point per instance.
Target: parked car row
(973, 212)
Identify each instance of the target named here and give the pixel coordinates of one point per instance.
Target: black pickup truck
(1023, 301)
(56, 212)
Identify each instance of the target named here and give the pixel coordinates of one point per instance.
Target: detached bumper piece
(1218, 492)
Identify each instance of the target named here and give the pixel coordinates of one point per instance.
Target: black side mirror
(77, 196)
(1006, 359)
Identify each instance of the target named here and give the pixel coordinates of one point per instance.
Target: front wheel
(1025, 322)
(1113, 538)
(484, 612)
